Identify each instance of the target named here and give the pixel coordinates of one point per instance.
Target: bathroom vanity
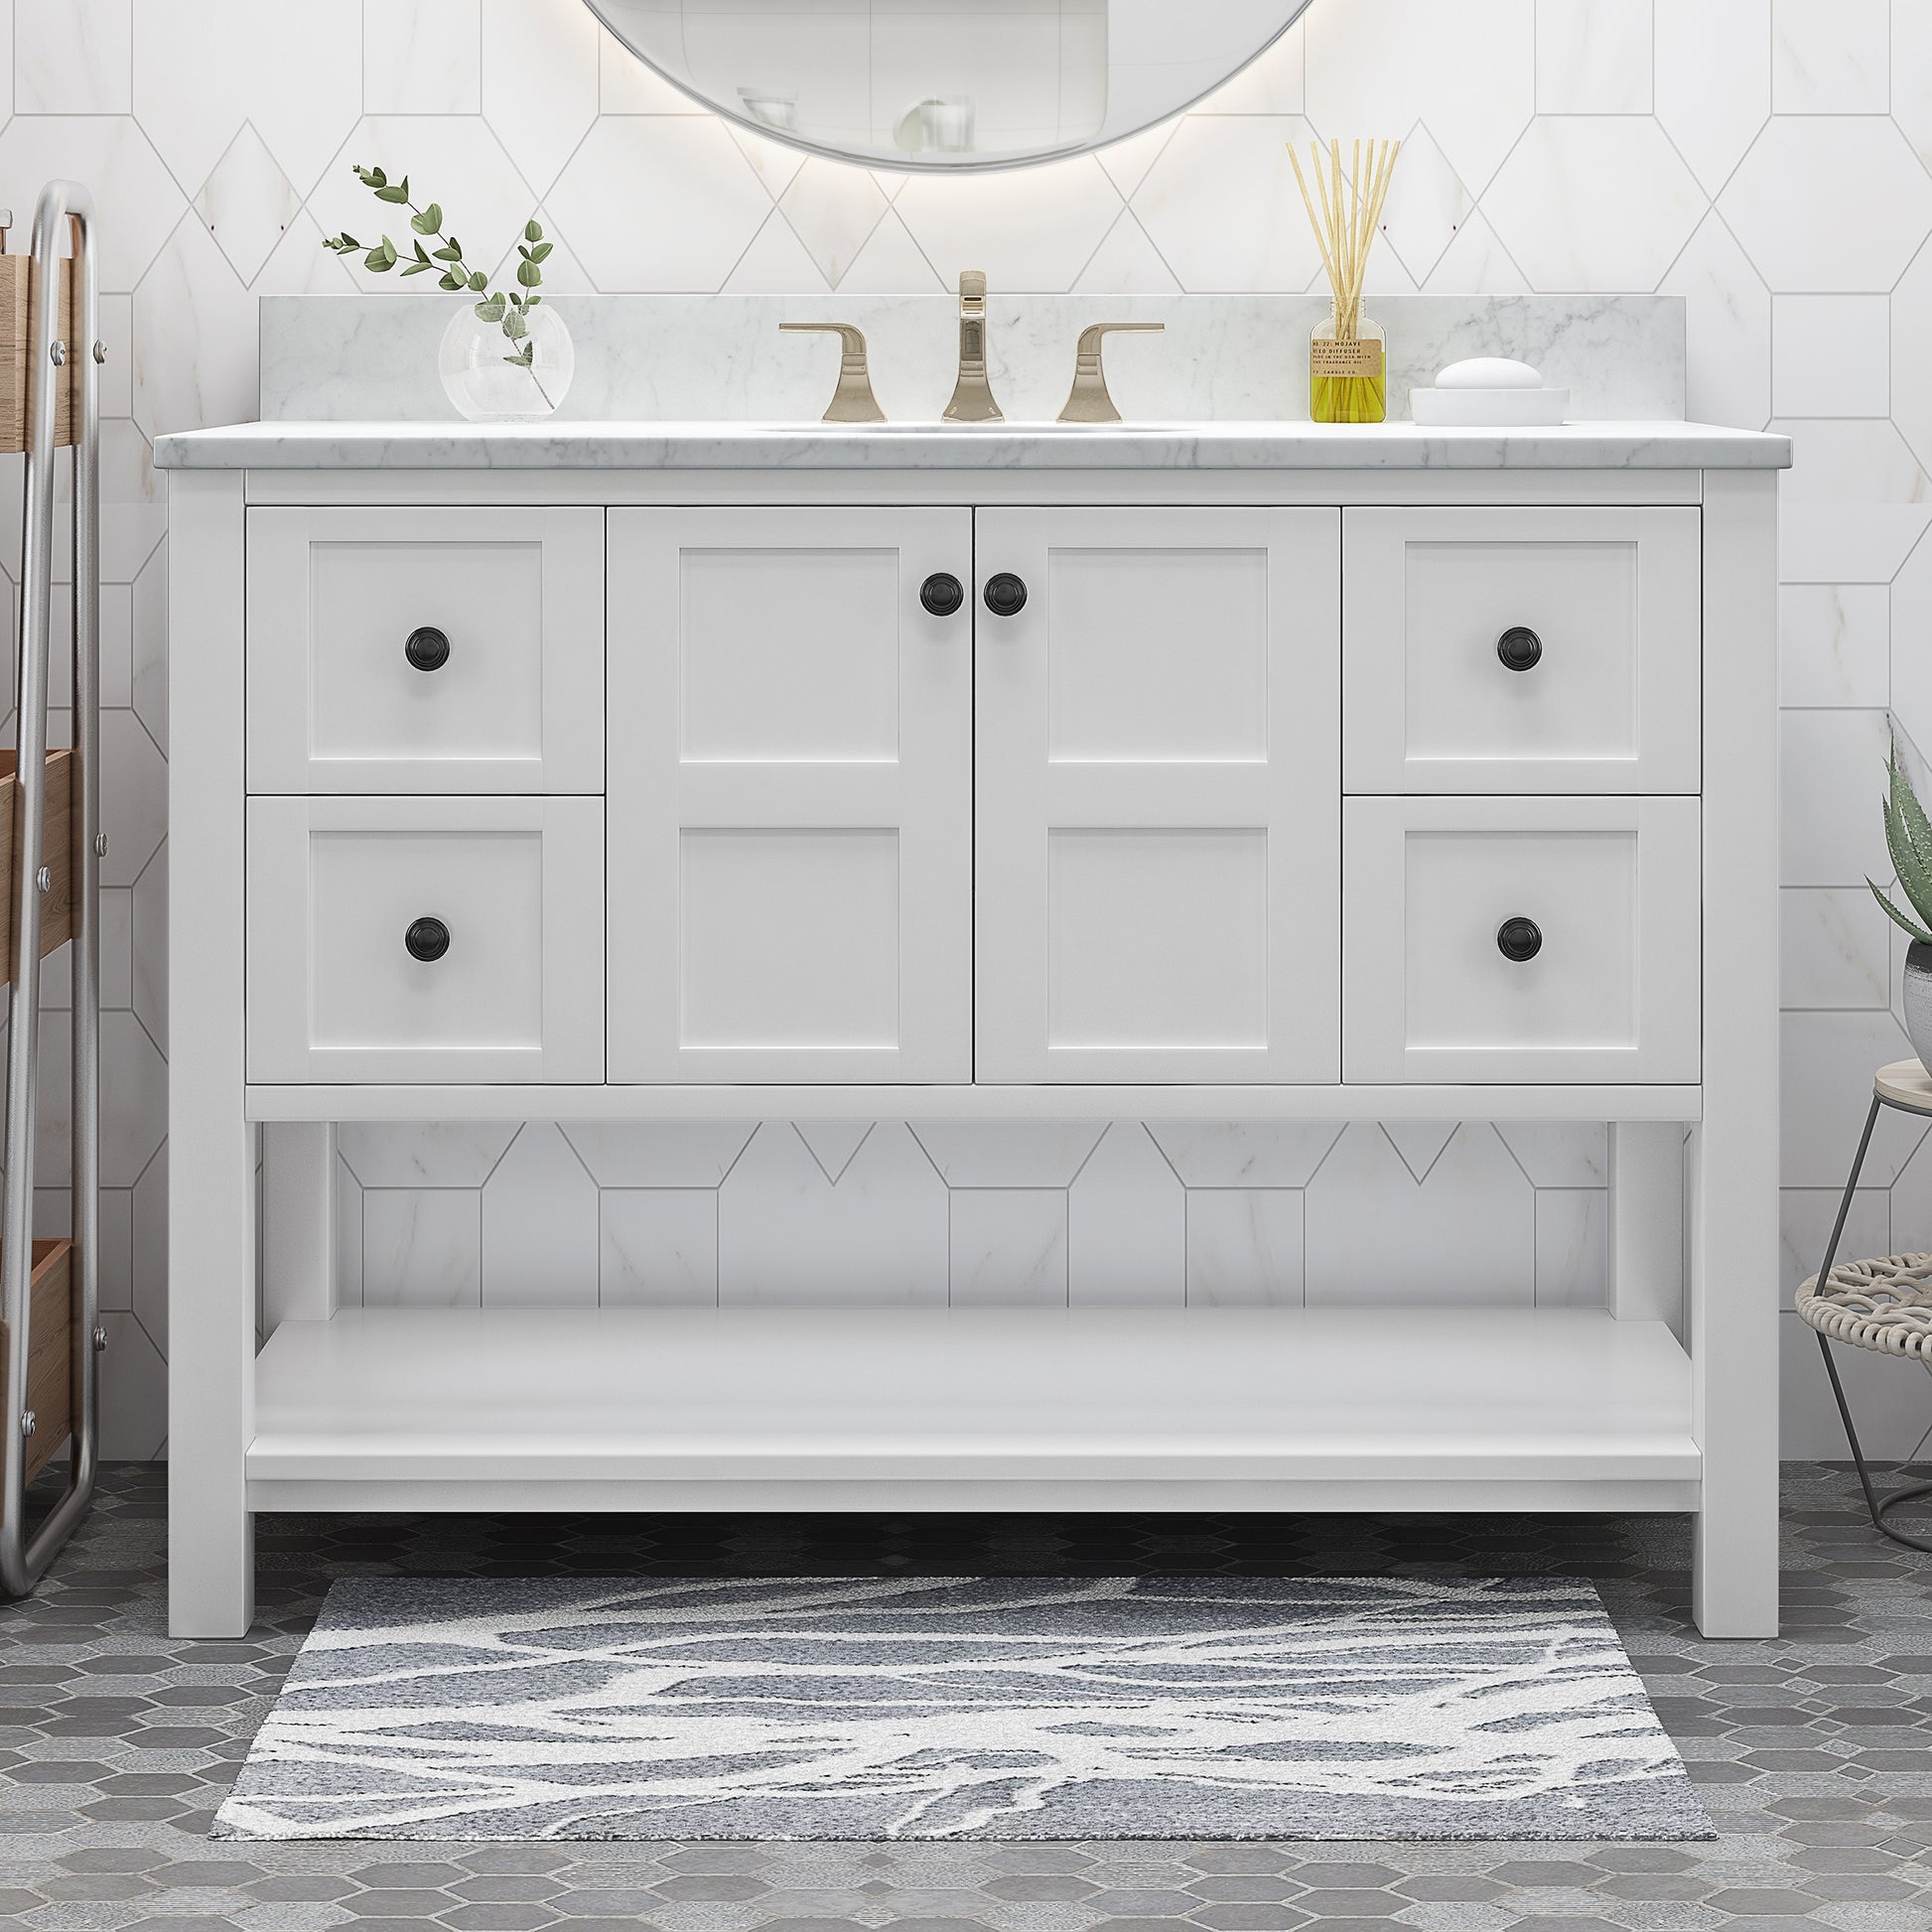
(641, 771)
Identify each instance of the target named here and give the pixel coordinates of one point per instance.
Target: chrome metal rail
(63, 205)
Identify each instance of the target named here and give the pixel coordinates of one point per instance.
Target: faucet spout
(971, 396)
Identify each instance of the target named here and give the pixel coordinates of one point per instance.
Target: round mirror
(947, 84)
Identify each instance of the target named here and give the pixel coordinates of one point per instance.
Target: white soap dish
(1488, 392)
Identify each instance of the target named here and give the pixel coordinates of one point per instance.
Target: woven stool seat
(1883, 1305)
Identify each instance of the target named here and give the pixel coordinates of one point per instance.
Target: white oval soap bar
(1490, 372)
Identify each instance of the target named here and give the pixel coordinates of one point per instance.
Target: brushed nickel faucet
(971, 396)
(853, 400)
(1088, 401)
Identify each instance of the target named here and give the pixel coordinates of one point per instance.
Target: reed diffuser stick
(1347, 370)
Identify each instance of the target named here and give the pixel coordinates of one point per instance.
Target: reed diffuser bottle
(1347, 362)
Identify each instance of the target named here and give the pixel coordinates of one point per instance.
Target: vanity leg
(298, 1222)
(1647, 1222)
(1733, 1188)
(212, 1156)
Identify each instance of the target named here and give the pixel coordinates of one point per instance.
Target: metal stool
(1884, 1305)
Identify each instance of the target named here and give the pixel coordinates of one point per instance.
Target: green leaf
(529, 274)
(1908, 838)
(370, 176)
(514, 326)
(531, 300)
(379, 260)
(479, 281)
(397, 190)
(1906, 802)
(542, 252)
(449, 252)
(534, 232)
(1917, 932)
(421, 255)
(418, 268)
(428, 221)
(450, 282)
(491, 311)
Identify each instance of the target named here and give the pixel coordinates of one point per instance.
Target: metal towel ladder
(63, 205)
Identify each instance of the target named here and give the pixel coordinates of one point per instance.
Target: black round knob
(1006, 595)
(942, 594)
(427, 649)
(1519, 939)
(426, 939)
(1519, 649)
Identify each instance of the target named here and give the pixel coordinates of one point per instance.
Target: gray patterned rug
(963, 1708)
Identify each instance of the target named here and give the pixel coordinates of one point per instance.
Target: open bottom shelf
(856, 1409)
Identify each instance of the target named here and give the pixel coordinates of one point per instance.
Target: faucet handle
(853, 400)
(1088, 401)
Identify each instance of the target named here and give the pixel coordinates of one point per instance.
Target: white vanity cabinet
(1257, 773)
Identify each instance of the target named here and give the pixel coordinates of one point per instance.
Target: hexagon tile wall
(1767, 159)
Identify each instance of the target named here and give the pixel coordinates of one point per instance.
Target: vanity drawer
(425, 649)
(1521, 649)
(425, 939)
(1520, 939)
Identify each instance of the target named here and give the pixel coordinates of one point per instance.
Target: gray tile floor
(1814, 1752)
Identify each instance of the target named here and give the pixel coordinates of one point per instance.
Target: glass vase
(494, 377)
(1347, 371)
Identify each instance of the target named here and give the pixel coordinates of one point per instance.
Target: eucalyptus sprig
(509, 308)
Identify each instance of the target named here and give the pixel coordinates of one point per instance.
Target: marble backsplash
(720, 357)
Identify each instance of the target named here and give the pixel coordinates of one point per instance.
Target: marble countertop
(933, 446)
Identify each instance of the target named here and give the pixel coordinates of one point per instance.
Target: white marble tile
(1911, 76)
(1127, 1227)
(1892, 1399)
(1594, 201)
(349, 1236)
(1477, 264)
(1222, 205)
(133, 1099)
(1573, 1246)
(626, 85)
(891, 263)
(1830, 354)
(1834, 949)
(1128, 161)
(247, 203)
(1911, 367)
(657, 1247)
(133, 1393)
(663, 202)
(135, 194)
(1594, 57)
(1834, 646)
(1420, 1143)
(1127, 263)
(1831, 784)
(1008, 1154)
(133, 797)
(1909, 629)
(1832, 58)
(787, 1236)
(1825, 1064)
(1244, 1247)
(540, 1225)
(1730, 338)
(1787, 203)
(833, 1143)
(1910, 1230)
(775, 263)
(1375, 1237)
(423, 1153)
(1028, 228)
(422, 57)
(1806, 1215)
(193, 295)
(72, 57)
(1271, 83)
(775, 164)
(659, 1154)
(422, 1247)
(1009, 1247)
(539, 80)
(1427, 205)
(1468, 70)
(1245, 1153)
(148, 1250)
(1712, 126)
(833, 209)
(117, 1248)
(1559, 1154)
(148, 965)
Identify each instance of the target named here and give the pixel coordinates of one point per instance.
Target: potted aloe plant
(504, 358)
(1908, 838)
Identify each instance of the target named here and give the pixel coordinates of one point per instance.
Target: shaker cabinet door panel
(1158, 803)
(425, 649)
(790, 795)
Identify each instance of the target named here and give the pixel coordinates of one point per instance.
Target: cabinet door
(1158, 807)
(790, 797)
(426, 649)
